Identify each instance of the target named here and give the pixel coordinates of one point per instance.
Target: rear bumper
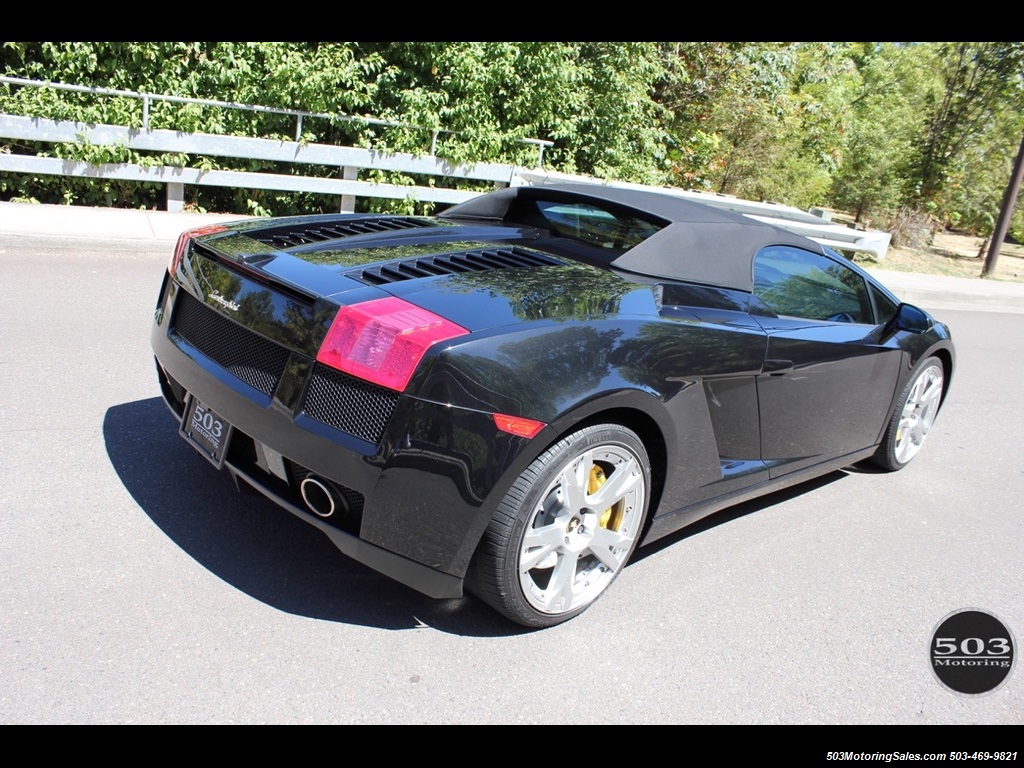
(428, 581)
(417, 479)
(247, 473)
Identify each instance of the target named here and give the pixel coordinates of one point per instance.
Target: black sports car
(511, 396)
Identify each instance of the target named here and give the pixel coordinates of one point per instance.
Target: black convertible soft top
(696, 243)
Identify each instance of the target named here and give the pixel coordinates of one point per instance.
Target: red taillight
(383, 341)
(186, 237)
(518, 426)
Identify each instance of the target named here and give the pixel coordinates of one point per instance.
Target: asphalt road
(139, 588)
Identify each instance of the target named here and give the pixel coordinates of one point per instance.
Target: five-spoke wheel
(566, 528)
(913, 417)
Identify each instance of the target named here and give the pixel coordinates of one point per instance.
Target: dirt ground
(958, 256)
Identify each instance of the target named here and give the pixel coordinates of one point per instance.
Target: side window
(796, 283)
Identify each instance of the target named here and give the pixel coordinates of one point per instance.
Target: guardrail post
(175, 197)
(348, 202)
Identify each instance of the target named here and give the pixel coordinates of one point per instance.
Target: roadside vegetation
(918, 139)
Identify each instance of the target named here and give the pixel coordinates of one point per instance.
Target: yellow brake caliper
(612, 517)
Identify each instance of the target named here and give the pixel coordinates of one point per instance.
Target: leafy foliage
(874, 128)
(978, 80)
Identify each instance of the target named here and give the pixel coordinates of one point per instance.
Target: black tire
(566, 528)
(913, 417)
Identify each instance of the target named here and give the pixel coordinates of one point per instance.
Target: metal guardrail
(148, 98)
(349, 159)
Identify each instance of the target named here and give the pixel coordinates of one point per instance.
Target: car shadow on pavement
(260, 549)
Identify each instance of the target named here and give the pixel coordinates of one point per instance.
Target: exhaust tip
(320, 500)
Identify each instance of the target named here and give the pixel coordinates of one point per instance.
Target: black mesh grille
(306, 234)
(253, 359)
(351, 405)
(452, 263)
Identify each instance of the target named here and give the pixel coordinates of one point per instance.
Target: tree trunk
(1005, 214)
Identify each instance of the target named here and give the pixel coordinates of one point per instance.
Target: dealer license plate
(208, 432)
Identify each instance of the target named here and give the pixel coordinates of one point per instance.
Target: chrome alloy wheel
(583, 529)
(919, 412)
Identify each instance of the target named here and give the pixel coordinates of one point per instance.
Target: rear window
(596, 226)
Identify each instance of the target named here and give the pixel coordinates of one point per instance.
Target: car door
(829, 377)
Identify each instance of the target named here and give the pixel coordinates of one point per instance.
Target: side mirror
(910, 319)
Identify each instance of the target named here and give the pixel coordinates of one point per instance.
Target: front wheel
(913, 416)
(566, 528)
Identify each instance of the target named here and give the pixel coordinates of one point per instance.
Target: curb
(107, 223)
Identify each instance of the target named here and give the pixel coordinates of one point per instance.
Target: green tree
(311, 76)
(480, 100)
(973, 194)
(760, 120)
(882, 124)
(865, 126)
(979, 80)
(594, 100)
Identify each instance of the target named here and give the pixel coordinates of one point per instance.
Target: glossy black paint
(730, 400)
